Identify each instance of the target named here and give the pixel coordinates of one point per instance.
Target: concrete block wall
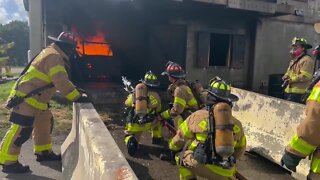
(269, 125)
(90, 152)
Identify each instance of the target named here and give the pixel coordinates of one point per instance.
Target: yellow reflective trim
(301, 146)
(315, 94)
(179, 101)
(72, 95)
(222, 86)
(228, 87)
(134, 127)
(184, 173)
(236, 129)
(41, 148)
(56, 69)
(201, 137)
(31, 101)
(157, 131)
(215, 84)
(126, 139)
(166, 114)
(223, 172)
(36, 104)
(180, 121)
(129, 101)
(241, 143)
(193, 145)
(295, 90)
(189, 91)
(204, 124)
(4, 156)
(192, 102)
(153, 100)
(306, 74)
(185, 130)
(34, 73)
(173, 146)
(315, 165)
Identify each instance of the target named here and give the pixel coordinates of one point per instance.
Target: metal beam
(253, 5)
(36, 27)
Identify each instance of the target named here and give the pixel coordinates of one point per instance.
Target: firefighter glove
(290, 161)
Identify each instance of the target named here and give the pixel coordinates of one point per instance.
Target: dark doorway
(219, 49)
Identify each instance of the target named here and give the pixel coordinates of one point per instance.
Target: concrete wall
(273, 39)
(90, 152)
(269, 125)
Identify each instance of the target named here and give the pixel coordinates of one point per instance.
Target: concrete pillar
(36, 27)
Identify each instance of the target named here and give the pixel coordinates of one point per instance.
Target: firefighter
(4, 58)
(29, 100)
(306, 141)
(299, 72)
(144, 104)
(184, 101)
(210, 139)
(316, 54)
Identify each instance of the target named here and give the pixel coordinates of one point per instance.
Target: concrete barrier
(269, 125)
(90, 152)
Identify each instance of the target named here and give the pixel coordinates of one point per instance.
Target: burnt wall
(214, 19)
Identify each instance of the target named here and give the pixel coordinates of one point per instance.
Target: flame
(92, 45)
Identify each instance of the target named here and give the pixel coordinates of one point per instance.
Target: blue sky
(12, 10)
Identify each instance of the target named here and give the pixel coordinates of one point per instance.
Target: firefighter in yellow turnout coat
(300, 70)
(143, 104)
(306, 141)
(30, 113)
(227, 140)
(184, 101)
(4, 58)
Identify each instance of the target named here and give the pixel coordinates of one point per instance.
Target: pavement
(44, 171)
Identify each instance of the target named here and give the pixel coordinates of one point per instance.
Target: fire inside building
(243, 42)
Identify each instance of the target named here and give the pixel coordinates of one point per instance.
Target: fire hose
(173, 130)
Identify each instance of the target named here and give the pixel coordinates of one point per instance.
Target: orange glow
(93, 45)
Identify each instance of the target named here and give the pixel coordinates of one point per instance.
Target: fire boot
(132, 145)
(15, 168)
(156, 140)
(167, 156)
(48, 156)
(290, 161)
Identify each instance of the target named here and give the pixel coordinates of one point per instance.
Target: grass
(5, 90)
(62, 113)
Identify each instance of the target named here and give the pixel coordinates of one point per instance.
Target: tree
(18, 32)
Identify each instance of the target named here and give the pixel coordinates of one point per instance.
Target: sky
(12, 10)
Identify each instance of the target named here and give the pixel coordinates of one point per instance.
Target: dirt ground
(147, 165)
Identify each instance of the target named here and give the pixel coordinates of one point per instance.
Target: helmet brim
(229, 98)
(306, 46)
(155, 84)
(57, 40)
(164, 73)
(177, 75)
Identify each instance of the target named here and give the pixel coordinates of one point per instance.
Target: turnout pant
(25, 120)
(135, 129)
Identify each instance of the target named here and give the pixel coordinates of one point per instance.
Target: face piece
(296, 51)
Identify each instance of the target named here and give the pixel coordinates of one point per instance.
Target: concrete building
(243, 41)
